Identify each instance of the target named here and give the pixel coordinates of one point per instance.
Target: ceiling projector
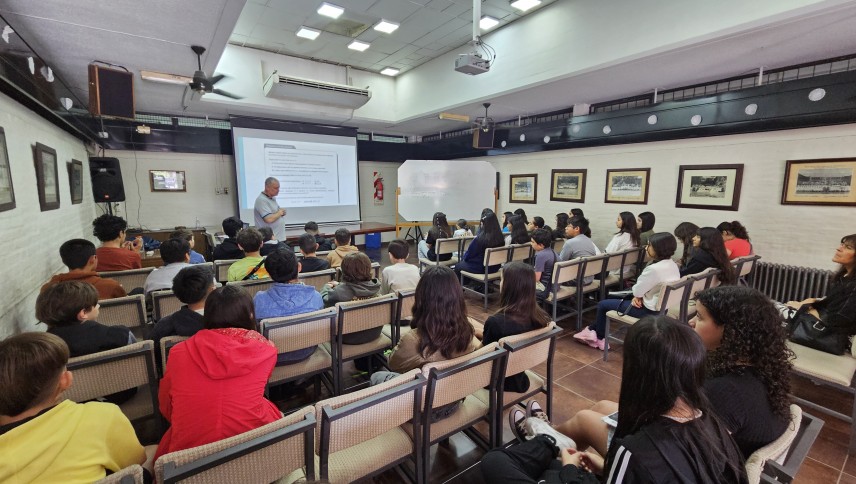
(471, 64)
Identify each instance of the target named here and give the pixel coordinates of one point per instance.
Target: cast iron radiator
(789, 283)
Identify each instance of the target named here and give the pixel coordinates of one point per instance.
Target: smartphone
(611, 419)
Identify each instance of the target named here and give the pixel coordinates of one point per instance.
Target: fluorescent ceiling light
(524, 5)
(487, 23)
(386, 26)
(330, 10)
(308, 33)
(164, 78)
(389, 71)
(357, 45)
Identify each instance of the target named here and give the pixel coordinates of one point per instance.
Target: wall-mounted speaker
(107, 183)
(111, 92)
(483, 139)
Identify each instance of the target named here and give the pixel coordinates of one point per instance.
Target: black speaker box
(111, 92)
(107, 183)
(483, 139)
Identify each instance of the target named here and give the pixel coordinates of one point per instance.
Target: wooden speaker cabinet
(111, 92)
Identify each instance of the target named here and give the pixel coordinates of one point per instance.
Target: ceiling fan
(484, 123)
(199, 83)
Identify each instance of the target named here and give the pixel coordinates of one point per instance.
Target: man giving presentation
(267, 212)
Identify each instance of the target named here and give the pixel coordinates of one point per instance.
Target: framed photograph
(568, 185)
(46, 176)
(820, 182)
(523, 188)
(712, 187)
(75, 180)
(7, 193)
(627, 186)
(167, 181)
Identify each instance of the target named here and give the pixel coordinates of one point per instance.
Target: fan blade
(215, 79)
(455, 117)
(227, 94)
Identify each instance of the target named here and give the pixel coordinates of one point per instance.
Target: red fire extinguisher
(378, 185)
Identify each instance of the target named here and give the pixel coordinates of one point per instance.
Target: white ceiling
(157, 34)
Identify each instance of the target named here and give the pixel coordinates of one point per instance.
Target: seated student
(183, 233)
(79, 256)
(685, 231)
(400, 275)
(441, 329)
(710, 252)
(115, 254)
(175, 254)
(506, 223)
(439, 230)
(736, 239)
(578, 244)
(522, 214)
(561, 223)
(357, 283)
(645, 222)
(545, 259)
(661, 270)
(213, 385)
(518, 234)
(252, 265)
(576, 212)
(537, 223)
(324, 244)
(45, 438)
(343, 248)
(269, 243)
(518, 313)
(228, 248)
(310, 262)
(462, 229)
(627, 237)
(191, 286)
(667, 430)
(489, 237)
(286, 297)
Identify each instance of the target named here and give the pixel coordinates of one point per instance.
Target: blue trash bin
(373, 241)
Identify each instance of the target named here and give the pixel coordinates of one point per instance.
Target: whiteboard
(458, 188)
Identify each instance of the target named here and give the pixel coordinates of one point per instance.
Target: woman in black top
(561, 223)
(709, 251)
(518, 313)
(439, 230)
(685, 231)
(522, 214)
(519, 234)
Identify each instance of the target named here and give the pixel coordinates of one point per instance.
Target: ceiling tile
(387, 45)
(282, 19)
(440, 32)
(395, 10)
(249, 16)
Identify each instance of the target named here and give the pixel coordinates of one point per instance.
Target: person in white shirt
(400, 275)
(662, 270)
(462, 229)
(627, 237)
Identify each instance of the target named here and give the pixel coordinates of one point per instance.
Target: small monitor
(167, 181)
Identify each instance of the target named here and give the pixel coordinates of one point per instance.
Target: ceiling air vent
(316, 92)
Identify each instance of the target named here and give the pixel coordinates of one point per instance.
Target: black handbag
(807, 330)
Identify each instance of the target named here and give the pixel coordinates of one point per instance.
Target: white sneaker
(536, 426)
(586, 335)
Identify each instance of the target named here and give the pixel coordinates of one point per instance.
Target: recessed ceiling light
(817, 94)
(389, 71)
(751, 109)
(357, 45)
(386, 26)
(652, 119)
(695, 120)
(308, 33)
(607, 129)
(487, 23)
(330, 10)
(524, 5)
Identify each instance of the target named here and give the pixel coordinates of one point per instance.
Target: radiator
(789, 283)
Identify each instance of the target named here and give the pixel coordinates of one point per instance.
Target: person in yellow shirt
(252, 265)
(45, 440)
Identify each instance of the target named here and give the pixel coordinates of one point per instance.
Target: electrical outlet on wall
(217, 190)
(225, 190)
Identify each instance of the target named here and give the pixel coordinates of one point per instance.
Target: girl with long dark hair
(626, 238)
(645, 222)
(439, 230)
(519, 234)
(736, 239)
(561, 223)
(522, 214)
(710, 252)
(506, 223)
(685, 231)
(489, 237)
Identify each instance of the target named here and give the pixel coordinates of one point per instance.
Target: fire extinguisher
(378, 189)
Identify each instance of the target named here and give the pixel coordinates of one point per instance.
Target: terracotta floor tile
(562, 365)
(830, 447)
(813, 471)
(592, 384)
(568, 346)
(615, 362)
(850, 465)
(847, 479)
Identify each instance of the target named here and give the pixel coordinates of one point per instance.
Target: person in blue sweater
(489, 237)
(286, 297)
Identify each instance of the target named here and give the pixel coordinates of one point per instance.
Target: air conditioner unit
(315, 92)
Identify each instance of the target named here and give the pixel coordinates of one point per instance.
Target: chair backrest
(452, 380)
(594, 265)
(370, 418)
(465, 243)
(633, 256)
(785, 468)
(775, 449)
(615, 261)
(164, 303)
(221, 269)
(129, 475)
(701, 281)
(406, 299)
(530, 349)
(113, 371)
(130, 279)
(745, 265)
(496, 256)
(672, 293)
(446, 246)
(265, 454)
(129, 311)
(300, 331)
(366, 314)
(317, 278)
(322, 254)
(166, 344)
(558, 244)
(376, 269)
(254, 285)
(565, 271)
(520, 252)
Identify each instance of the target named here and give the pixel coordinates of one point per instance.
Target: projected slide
(307, 178)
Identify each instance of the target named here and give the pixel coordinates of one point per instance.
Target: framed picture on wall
(523, 188)
(627, 186)
(47, 176)
(167, 181)
(7, 193)
(75, 180)
(712, 187)
(568, 185)
(820, 182)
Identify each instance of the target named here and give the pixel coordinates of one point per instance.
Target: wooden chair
(614, 262)
(254, 286)
(112, 371)
(442, 247)
(130, 279)
(317, 278)
(166, 344)
(221, 269)
(292, 333)
(521, 252)
(472, 383)
(129, 475)
(361, 434)
(492, 257)
(164, 303)
(128, 311)
(465, 244)
(558, 245)
(279, 450)
(743, 267)
(701, 281)
(525, 352)
(576, 270)
(356, 316)
(406, 299)
(671, 295)
(376, 269)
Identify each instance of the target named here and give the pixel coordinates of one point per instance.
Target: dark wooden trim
(584, 179)
(738, 182)
(39, 151)
(534, 188)
(644, 200)
(7, 166)
(790, 163)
